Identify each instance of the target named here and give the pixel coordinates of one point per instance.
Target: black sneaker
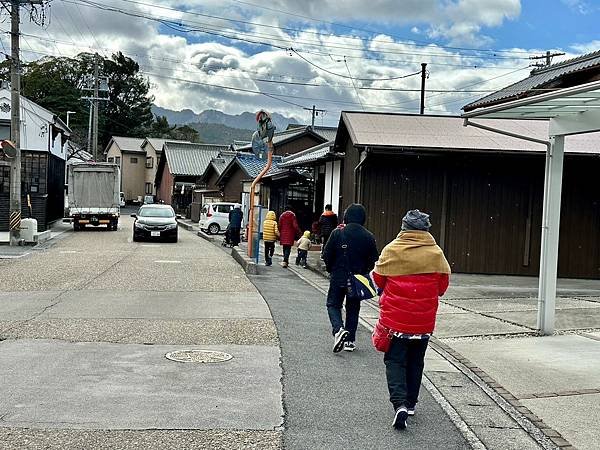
(349, 346)
(338, 340)
(400, 417)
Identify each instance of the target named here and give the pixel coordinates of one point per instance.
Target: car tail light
(209, 213)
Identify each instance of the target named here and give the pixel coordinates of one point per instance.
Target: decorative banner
(15, 220)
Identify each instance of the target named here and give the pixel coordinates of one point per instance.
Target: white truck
(94, 195)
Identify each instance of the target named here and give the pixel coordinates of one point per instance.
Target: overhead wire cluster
(299, 46)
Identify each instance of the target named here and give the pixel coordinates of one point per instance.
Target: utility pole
(96, 87)
(15, 117)
(423, 77)
(15, 125)
(96, 84)
(548, 57)
(314, 112)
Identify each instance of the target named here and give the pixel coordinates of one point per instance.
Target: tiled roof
(128, 144)
(538, 79)
(307, 156)
(222, 160)
(448, 133)
(190, 159)
(253, 165)
(282, 136)
(328, 133)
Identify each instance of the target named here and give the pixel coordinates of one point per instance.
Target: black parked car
(155, 222)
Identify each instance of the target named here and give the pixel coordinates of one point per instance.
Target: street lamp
(68, 115)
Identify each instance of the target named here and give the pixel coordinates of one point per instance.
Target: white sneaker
(349, 346)
(339, 339)
(411, 411)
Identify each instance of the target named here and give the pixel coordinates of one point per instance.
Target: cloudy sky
(287, 55)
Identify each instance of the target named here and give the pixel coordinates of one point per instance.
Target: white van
(214, 217)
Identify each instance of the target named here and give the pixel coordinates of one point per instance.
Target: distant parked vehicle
(214, 217)
(155, 222)
(121, 199)
(94, 196)
(149, 199)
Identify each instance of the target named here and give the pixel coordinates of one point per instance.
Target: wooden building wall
(232, 190)
(297, 145)
(486, 209)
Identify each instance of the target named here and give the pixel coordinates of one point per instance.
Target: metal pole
(550, 235)
(423, 76)
(252, 195)
(15, 126)
(89, 146)
(96, 93)
(313, 116)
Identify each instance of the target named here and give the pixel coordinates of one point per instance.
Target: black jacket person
(361, 255)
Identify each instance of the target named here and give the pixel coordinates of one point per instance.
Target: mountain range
(243, 121)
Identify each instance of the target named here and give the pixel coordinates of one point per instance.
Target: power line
(404, 41)
(181, 27)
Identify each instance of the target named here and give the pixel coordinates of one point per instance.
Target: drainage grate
(198, 356)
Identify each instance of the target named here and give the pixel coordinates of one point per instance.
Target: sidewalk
(487, 323)
(7, 252)
(486, 330)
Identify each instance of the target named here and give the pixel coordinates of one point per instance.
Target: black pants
(301, 258)
(404, 363)
(269, 250)
(335, 301)
(287, 249)
(324, 239)
(234, 235)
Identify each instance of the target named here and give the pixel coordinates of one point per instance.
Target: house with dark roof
(180, 170)
(483, 190)
(324, 165)
(291, 141)
(572, 72)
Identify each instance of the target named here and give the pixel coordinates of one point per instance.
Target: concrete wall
(332, 184)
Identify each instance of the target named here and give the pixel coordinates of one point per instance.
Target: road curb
(185, 226)
(206, 237)
(249, 266)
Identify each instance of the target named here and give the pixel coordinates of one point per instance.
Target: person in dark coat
(235, 224)
(327, 223)
(361, 255)
(288, 232)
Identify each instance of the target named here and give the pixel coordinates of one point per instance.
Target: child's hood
(306, 234)
(271, 216)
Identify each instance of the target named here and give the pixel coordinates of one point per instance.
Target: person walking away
(288, 231)
(350, 249)
(235, 224)
(303, 248)
(270, 236)
(327, 223)
(413, 272)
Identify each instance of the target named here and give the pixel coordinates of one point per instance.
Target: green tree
(161, 128)
(186, 133)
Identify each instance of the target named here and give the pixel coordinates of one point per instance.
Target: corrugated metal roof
(448, 133)
(158, 143)
(190, 159)
(538, 79)
(307, 156)
(128, 144)
(328, 133)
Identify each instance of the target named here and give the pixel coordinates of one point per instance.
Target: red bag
(382, 337)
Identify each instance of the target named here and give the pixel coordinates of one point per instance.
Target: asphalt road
(84, 329)
(339, 401)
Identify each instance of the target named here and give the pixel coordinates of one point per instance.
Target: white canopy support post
(550, 234)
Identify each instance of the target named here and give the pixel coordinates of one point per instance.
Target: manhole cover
(198, 356)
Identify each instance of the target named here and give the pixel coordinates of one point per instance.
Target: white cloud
(187, 73)
(581, 6)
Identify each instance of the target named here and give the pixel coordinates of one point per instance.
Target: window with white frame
(148, 188)
(149, 162)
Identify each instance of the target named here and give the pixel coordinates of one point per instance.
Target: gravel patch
(142, 331)
(13, 438)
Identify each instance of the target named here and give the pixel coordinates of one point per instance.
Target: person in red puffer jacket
(288, 232)
(412, 272)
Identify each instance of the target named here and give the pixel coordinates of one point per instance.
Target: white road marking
(166, 261)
